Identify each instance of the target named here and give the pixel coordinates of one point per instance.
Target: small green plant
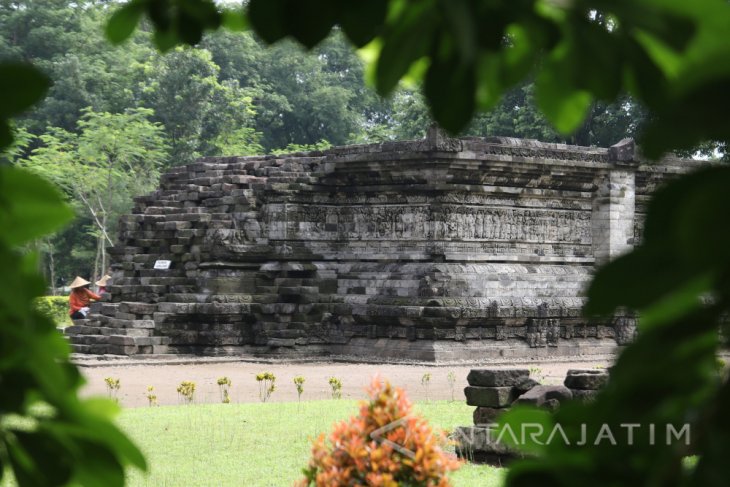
(426, 383)
(55, 308)
(186, 391)
(112, 387)
(451, 378)
(267, 385)
(336, 385)
(299, 383)
(536, 373)
(321, 145)
(224, 385)
(151, 396)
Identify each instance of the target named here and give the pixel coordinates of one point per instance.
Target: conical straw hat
(79, 282)
(102, 282)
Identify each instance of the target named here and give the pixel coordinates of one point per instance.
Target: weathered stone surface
(586, 379)
(486, 415)
(496, 377)
(477, 444)
(540, 395)
(435, 249)
(584, 395)
(525, 385)
(493, 397)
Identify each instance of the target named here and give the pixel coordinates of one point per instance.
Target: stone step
(99, 349)
(118, 344)
(137, 341)
(89, 339)
(136, 308)
(107, 331)
(85, 329)
(110, 322)
(108, 308)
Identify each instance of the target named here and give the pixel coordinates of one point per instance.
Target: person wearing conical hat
(102, 284)
(80, 298)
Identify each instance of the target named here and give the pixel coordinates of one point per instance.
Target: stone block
(478, 443)
(487, 415)
(540, 395)
(584, 395)
(496, 377)
(493, 397)
(525, 385)
(586, 379)
(437, 258)
(121, 340)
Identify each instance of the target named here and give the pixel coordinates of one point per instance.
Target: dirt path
(134, 379)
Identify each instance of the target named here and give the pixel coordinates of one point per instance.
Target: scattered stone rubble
(494, 391)
(431, 250)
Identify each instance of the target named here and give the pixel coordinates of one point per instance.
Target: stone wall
(439, 249)
(495, 391)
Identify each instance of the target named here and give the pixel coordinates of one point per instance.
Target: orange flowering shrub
(384, 446)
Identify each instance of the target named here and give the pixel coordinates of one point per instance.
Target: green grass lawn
(257, 444)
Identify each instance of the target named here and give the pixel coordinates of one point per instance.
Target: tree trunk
(99, 244)
(51, 266)
(105, 219)
(102, 246)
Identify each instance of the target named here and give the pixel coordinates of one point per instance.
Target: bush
(55, 308)
(403, 450)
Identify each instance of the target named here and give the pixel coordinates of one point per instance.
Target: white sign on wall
(162, 264)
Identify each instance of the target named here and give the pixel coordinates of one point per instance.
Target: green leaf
(668, 60)
(460, 21)
(403, 44)
(94, 426)
(165, 40)
(525, 428)
(309, 21)
(362, 20)
(101, 408)
(450, 88)
(52, 461)
(634, 280)
(678, 303)
(267, 19)
(235, 20)
(518, 56)
(21, 85)
(591, 48)
(100, 466)
(489, 86)
(562, 103)
(6, 135)
(123, 22)
(31, 206)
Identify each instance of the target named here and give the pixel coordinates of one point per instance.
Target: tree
(181, 93)
(517, 115)
(228, 129)
(298, 99)
(115, 157)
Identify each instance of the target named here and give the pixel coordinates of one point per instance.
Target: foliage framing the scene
(48, 435)
(384, 445)
(671, 55)
(63, 438)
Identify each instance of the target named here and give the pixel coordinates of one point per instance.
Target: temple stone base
(439, 250)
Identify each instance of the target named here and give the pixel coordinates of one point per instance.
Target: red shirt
(80, 298)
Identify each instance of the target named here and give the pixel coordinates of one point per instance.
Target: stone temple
(431, 250)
